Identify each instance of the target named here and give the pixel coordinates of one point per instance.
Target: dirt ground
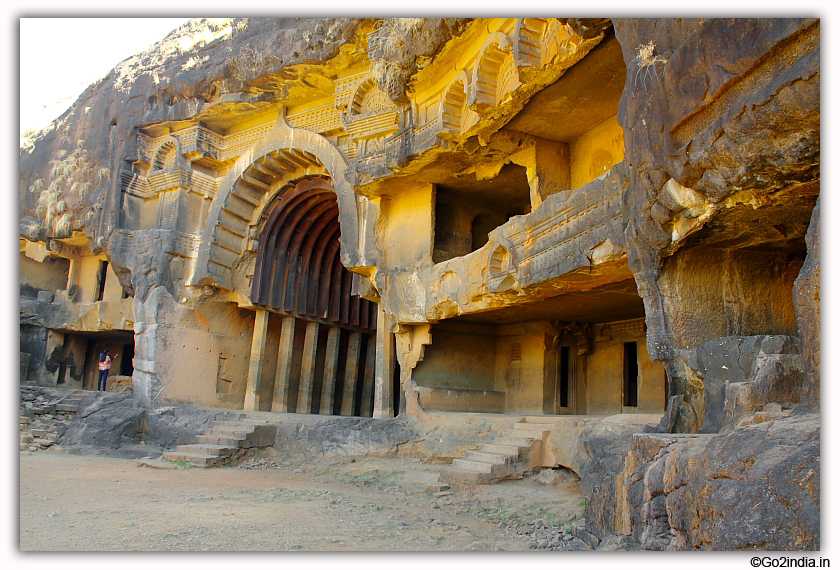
(95, 503)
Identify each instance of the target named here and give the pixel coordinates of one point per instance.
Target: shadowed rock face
(743, 135)
(720, 111)
(806, 295)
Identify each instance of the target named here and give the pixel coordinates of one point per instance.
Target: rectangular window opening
(631, 374)
(565, 373)
(127, 362)
(101, 276)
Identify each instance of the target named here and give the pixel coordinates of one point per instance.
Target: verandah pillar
(330, 371)
(351, 374)
(383, 400)
(282, 380)
(255, 364)
(307, 368)
(368, 381)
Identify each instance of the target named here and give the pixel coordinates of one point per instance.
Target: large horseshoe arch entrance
(315, 341)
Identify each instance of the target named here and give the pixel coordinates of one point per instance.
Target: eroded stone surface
(548, 216)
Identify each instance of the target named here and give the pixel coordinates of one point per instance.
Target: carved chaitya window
(454, 108)
(165, 156)
(370, 99)
(298, 269)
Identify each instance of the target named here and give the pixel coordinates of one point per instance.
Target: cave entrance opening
(466, 212)
(73, 357)
(575, 354)
(315, 336)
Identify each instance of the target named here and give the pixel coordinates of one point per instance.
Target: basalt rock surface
(721, 126)
(806, 294)
(718, 124)
(721, 120)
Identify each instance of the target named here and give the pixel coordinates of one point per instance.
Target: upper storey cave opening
(466, 213)
(579, 111)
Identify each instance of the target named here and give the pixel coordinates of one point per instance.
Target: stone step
(229, 432)
(197, 459)
(42, 442)
(544, 420)
(466, 469)
(533, 434)
(65, 407)
(155, 463)
(464, 474)
(513, 441)
(519, 453)
(475, 465)
(496, 458)
(500, 449)
(451, 475)
(241, 425)
(209, 449)
(220, 440)
(248, 418)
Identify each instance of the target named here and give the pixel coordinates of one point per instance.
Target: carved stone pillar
(255, 364)
(282, 380)
(383, 401)
(351, 374)
(368, 381)
(307, 368)
(330, 371)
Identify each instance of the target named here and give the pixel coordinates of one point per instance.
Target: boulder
(718, 491)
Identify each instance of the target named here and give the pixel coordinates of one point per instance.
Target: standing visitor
(104, 366)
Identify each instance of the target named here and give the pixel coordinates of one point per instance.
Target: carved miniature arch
(499, 261)
(252, 182)
(368, 98)
(559, 39)
(528, 39)
(166, 155)
(494, 74)
(538, 41)
(501, 274)
(453, 104)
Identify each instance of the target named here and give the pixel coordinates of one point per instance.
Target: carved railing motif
(565, 234)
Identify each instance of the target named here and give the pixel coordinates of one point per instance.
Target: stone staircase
(45, 414)
(71, 403)
(222, 441)
(518, 451)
